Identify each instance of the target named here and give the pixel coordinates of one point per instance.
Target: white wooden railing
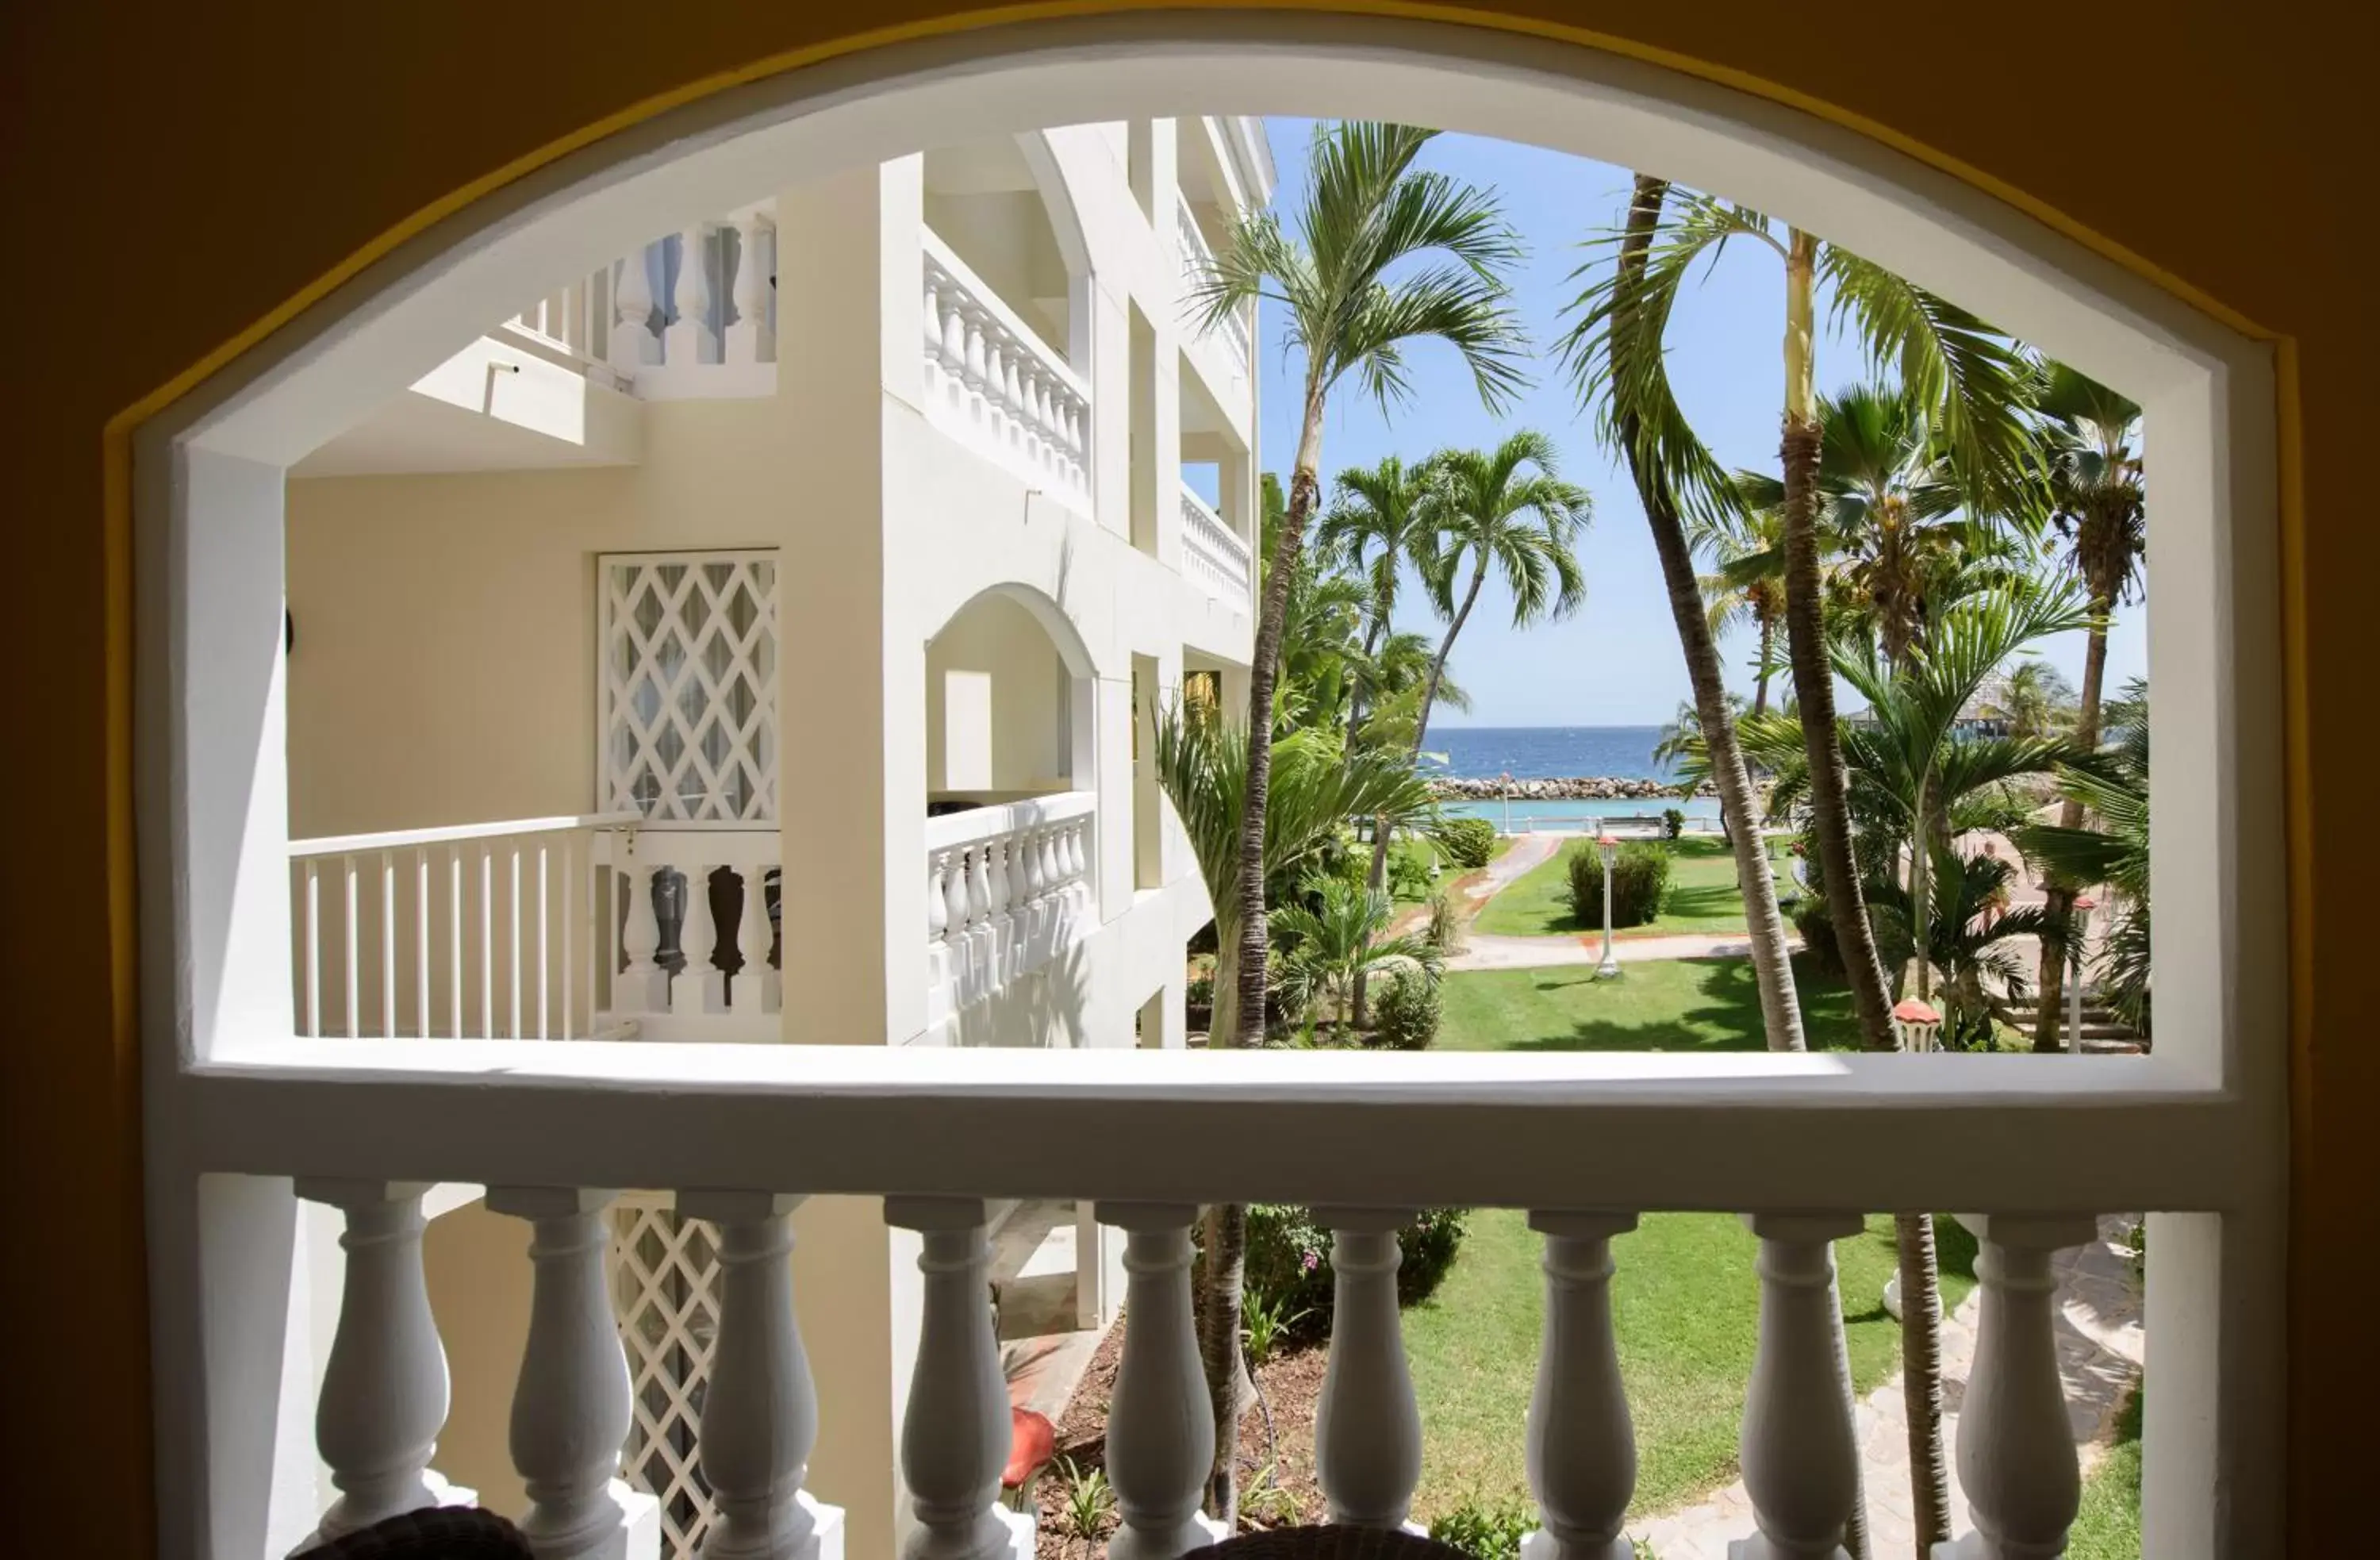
(715, 333)
(536, 928)
(995, 384)
(1215, 553)
(1007, 887)
(1197, 261)
(1363, 1139)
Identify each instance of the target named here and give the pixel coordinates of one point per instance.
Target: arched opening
(1004, 698)
(211, 505)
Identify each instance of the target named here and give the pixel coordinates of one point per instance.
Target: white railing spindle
(1367, 1431)
(355, 995)
(750, 339)
(383, 1395)
(571, 1408)
(1799, 1456)
(1581, 1446)
(1160, 1427)
(954, 1436)
(313, 959)
(632, 297)
(995, 383)
(421, 954)
(388, 945)
(2016, 1449)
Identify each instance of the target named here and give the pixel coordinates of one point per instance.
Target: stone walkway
(2099, 1350)
(1538, 953)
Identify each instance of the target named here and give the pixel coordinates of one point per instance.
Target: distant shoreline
(1586, 787)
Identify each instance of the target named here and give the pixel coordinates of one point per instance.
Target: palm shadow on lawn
(1727, 1017)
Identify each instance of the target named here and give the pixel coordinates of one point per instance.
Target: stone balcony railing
(1213, 553)
(1197, 258)
(994, 385)
(743, 1133)
(1007, 888)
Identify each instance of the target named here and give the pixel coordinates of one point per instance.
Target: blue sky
(1617, 662)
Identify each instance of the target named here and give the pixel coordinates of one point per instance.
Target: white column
(954, 1436)
(1161, 1425)
(644, 986)
(1367, 1431)
(687, 341)
(2016, 1447)
(1582, 1447)
(704, 980)
(750, 339)
(632, 342)
(759, 1419)
(384, 1397)
(1800, 1456)
(571, 1406)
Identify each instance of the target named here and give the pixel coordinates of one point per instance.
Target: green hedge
(1640, 881)
(1468, 841)
(1405, 1010)
(1289, 1261)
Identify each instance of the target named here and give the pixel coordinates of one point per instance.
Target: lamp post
(1508, 804)
(2084, 905)
(1610, 969)
(1919, 1028)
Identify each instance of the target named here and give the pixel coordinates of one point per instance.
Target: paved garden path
(2099, 1350)
(1481, 952)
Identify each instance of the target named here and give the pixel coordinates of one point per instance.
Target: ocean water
(1548, 753)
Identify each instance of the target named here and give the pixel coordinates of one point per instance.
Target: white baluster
(954, 1436)
(750, 339)
(644, 982)
(388, 945)
(1161, 1429)
(759, 1419)
(544, 967)
(1582, 1448)
(755, 990)
(1366, 1432)
(998, 423)
(1799, 1453)
(1037, 418)
(355, 958)
(454, 942)
(313, 962)
(1020, 883)
(954, 338)
(1011, 393)
(570, 1406)
(631, 346)
(978, 887)
(978, 388)
(488, 941)
(931, 314)
(955, 895)
(2016, 1447)
(1079, 864)
(995, 894)
(701, 940)
(421, 957)
(687, 340)
(384, 1385)
(938, 909)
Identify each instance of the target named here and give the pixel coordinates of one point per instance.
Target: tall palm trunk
(1768, 650)
(1380, 874)
(1227, 1225)
(1780, 1007)
(2054, 952)
(1814, 686)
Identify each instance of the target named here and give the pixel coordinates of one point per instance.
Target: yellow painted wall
(176, 172)
(479, 1282)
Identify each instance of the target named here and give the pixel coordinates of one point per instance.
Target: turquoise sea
(1555, 752)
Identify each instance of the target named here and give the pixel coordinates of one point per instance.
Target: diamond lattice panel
(668, 1279)
(689, 678)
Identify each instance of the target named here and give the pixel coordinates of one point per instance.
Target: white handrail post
(570, 1406)
(1581, 1445)
(2017, 1461)
(632, 343)
(1161, 1429)
(687, 340)
(384, 1398)
(759, 1419)
(1367, 1430)
(954, 1436)
(1800, 1454)
(750, 339)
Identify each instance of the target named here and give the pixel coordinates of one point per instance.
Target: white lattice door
(667, 1284)
(688, 687)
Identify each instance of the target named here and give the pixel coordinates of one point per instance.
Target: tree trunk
(1921, 1377)
(1219, 1340)
(2050, 1017)
(1814, 686)
(1767, 648)
(1781, 1009)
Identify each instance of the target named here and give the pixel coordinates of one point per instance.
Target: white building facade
(759, 640)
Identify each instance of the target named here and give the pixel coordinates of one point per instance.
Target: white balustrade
(995, 384)
(1160, 1430)
(954, 1436)
(1007, 886)
(691, 968)
(1581, 1446)
(2016, 1448)
(759, 1415)
(383, 1395)
(571, 1408)
(690, 340)
(1198, 264)
(713, 337)
(479, 931)
(1366, 1430)
(1212, 552)
(1799, 1451)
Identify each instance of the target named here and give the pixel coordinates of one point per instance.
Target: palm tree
(2115, 853)
(1972, 384)
(1332, 943)
(1748, 587)
(1203, 765)
(1968, 941)
(1376, 524)
(2033, 699)
(2099, 504)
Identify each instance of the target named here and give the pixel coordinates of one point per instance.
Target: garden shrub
(1289, 1261)
(1406, 1009)
(1673, 821)
(1816, 922)
(1486, 1533)
(1468, 841)
(1640, 881)
(1445, 930)
(1409, 873)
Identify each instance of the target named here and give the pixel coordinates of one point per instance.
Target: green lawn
(1703, 896)
(1426, 853)
(2109, 1524)
(1685, 1299)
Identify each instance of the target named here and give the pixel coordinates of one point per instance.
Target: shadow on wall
(1045, 1008)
